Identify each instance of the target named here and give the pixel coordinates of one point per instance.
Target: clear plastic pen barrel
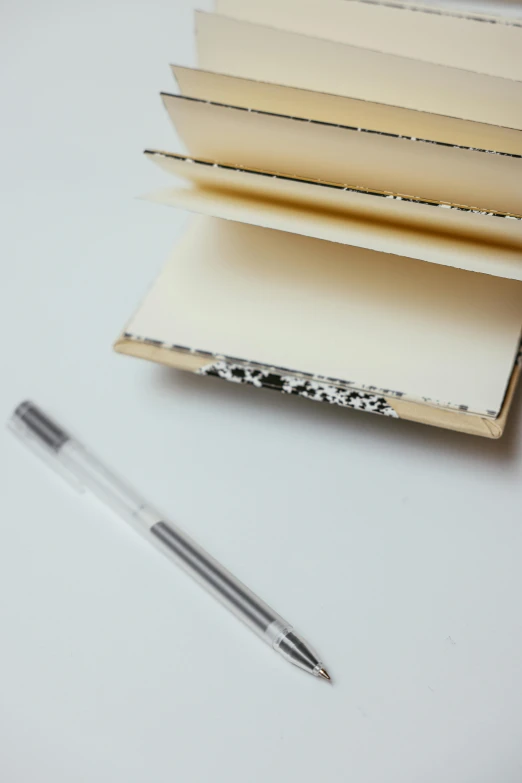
(83, 469)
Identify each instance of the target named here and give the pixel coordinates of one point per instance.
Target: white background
(395, 548)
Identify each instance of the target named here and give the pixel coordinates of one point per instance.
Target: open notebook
(359, 239)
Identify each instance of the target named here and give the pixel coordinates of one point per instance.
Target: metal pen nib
(294, 648)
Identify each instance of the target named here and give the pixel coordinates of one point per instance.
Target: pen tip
(324, 674)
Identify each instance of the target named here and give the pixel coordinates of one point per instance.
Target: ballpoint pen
(84, 471)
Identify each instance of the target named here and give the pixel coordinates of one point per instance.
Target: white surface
(394, 548)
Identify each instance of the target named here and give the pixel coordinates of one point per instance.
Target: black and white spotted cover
(319, 391)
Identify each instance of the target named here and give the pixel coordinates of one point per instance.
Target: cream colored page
(253, 51)
(340, 110)
(451, 237)
(370, 318)
(494, 49)
(332, 154)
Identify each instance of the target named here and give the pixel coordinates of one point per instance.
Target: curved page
(486, 45)
(253, 51)
(453, 237)
(341, 110)
(356, 158)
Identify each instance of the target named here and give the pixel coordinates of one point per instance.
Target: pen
(76, 464)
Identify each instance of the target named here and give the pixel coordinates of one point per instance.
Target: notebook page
(492, 48)
(472, 241)
(340, 110)
(243, 49)
(356, 158)
(307, 305)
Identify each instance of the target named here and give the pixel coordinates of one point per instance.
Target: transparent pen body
(85, 471)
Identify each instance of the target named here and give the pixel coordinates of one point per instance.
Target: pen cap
(30, 422)
(45, 438)
(81, 469)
